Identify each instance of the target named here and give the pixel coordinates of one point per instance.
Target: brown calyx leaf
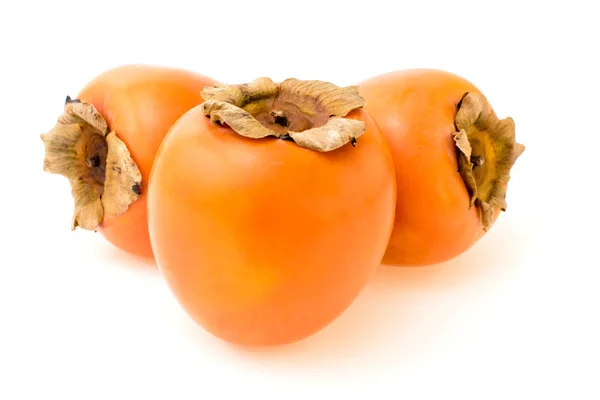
(89, 210)
(123, 178)
(76, 112)
(311, 113)
(487, 150)
(103, 177)
(465, 166)
(334, 134)
(238, 119)
(241, 95)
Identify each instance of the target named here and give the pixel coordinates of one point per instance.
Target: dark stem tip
(280, 118)
(93, 162)
(477, 161)
(461, 100)
(137, 188)
(69, 100)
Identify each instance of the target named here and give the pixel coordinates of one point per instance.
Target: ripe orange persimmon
(452, 157)
(268, 221)
(105, 142)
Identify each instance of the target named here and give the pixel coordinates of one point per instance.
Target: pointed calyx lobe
(310, 113)
(103, 177)
(487, 150)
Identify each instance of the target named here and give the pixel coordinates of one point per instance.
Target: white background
(515, 317)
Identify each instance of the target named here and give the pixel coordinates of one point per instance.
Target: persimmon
(105, 142)
(270, 206)
(452, 158)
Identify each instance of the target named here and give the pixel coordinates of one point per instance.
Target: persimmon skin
(261, 241)
(415, 111)
(140, 103)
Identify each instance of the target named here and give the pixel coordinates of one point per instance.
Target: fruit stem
(103, 177)
(309, 113)
(279, 118)
(487, 151)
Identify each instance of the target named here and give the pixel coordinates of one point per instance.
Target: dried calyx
(104, 179)
(309, 113)
(487, 151)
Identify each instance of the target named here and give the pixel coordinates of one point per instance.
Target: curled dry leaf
(238, 119)
(123, 178)
(334, 134)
